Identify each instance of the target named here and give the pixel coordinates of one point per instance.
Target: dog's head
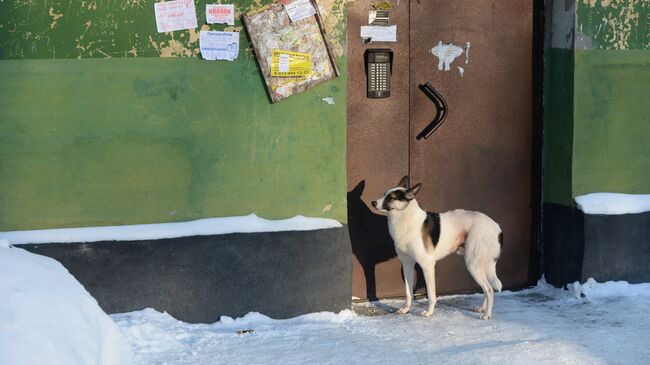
(397, 198)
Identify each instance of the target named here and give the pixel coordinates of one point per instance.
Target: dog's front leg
(430, 279)
(408, 269)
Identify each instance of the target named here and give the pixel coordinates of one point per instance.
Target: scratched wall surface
(613, 24)
(118, 28)
(143, 138)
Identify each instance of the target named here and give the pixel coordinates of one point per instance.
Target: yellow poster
(290, 64)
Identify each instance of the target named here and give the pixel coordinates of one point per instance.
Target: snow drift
(47, 317)
(201, 227)
(613, 203)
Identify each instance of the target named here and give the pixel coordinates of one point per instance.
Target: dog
(425, 238)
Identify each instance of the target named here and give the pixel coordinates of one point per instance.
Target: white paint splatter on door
(446, 54)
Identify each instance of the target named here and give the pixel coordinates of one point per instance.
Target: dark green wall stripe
(558, 126)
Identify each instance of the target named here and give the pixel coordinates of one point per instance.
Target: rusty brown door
(480, 158)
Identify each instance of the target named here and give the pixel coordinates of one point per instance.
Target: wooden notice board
(270, 28)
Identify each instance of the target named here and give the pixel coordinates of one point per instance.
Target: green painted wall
(612, 122)
(597, 114)
(121, 140)
(612, 88)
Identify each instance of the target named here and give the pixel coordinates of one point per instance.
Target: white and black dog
(428, 237)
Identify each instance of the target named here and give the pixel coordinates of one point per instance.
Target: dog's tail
(493, 279)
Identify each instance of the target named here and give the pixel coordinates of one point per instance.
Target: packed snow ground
(589, 324)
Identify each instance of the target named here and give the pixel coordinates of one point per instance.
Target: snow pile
(47, 317)
(594, 289)
(542, 325)
(202, 227)
(613, 203)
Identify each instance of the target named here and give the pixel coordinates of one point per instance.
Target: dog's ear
(410, 193)
(404, 183)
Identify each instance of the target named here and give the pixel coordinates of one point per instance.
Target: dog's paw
(486, 316)
(479, 309)
(427, 313)
(403, 310)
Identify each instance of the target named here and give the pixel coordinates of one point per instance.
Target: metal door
(480, 158)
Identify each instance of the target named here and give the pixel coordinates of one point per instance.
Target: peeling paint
(176, 48)
(194, 36)
(120, 28)
(615, 24)
(55, 17)
(232, 28)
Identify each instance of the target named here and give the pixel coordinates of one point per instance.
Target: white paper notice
(175, 15)
(378, 33)
(220, 14)
(300, 9)
(219, 45)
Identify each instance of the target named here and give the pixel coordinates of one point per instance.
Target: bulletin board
(270, 28)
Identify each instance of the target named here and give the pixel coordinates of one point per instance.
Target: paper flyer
(290, 64)
(219, 45)
(300, 9)
(378, 33)
(220, 14)
(175, 15)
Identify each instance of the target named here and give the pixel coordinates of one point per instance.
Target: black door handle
(441, 110)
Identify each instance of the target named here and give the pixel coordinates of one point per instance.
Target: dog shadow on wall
(371, 242)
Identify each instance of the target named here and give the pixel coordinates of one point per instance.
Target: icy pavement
(543, 325)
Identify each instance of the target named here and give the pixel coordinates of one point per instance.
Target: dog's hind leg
(429, 272)
(408, 269)
(479, 273)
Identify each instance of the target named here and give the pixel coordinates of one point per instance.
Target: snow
(209, 226)
(613, 203)
(607, 323)
(47, 317)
